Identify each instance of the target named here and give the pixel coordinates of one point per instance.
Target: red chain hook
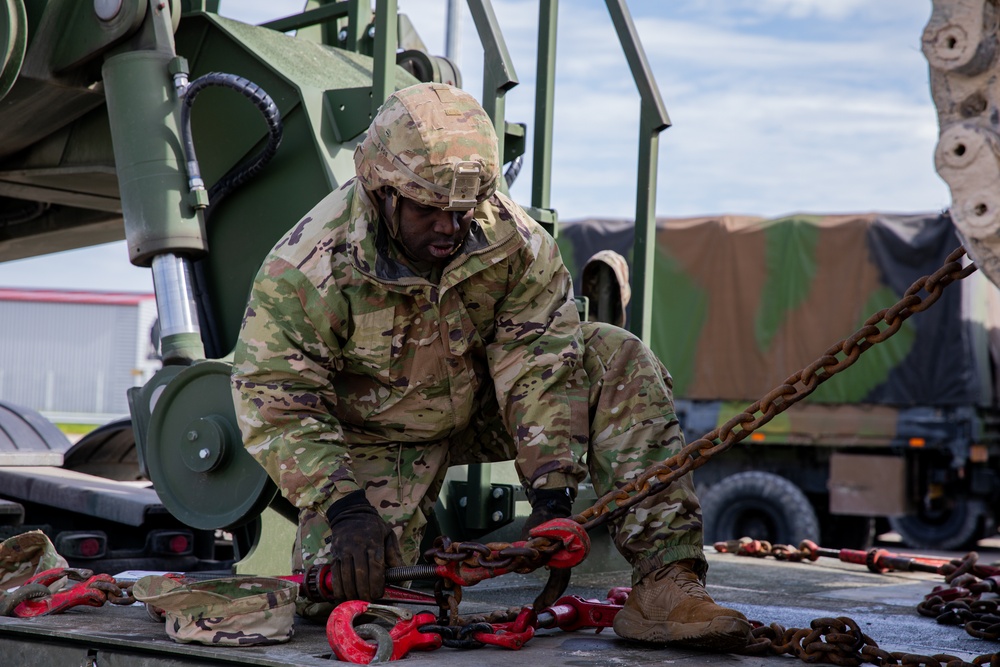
(86, 593)
(406, 636)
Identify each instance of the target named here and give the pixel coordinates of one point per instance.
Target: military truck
(147, 120)
(908, 435)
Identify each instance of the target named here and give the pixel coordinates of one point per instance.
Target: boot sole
(723, 634)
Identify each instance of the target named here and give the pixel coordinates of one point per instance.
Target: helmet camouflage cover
(433, 143)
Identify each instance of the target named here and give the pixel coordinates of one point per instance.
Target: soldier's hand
(362, 547)
(548, 504)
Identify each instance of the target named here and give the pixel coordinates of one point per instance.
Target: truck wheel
(108, 451)
(958, 527)
(759, 505)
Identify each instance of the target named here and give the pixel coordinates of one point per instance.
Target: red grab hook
(348, 646)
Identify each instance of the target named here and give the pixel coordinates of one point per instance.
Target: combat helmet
(432, 143)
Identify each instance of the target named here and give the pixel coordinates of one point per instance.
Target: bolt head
(192, 436)
(497, 517)
(463, 501)
(204, 453)
(371, 31)
(107, 9)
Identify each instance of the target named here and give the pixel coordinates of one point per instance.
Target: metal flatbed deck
(791, 594)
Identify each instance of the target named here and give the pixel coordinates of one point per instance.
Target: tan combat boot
(670, 605)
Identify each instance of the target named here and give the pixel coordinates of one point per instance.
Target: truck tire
(108, 451)
(759, 505)
(959, 527)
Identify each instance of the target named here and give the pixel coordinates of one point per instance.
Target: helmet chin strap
(391, 211)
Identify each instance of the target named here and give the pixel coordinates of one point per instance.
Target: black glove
(547, 504)
(362, 546)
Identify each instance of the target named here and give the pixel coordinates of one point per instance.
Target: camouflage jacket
(342, 345)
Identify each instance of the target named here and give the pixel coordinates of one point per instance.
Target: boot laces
(688, 582)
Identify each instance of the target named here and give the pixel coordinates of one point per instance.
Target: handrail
(653, 119)
(384, 72)
(498, 68)
(541, 172)
(310, 18)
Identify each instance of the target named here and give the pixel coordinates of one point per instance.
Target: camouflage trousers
(632, 426)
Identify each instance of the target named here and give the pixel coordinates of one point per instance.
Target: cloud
(824, 9)
(777, 106)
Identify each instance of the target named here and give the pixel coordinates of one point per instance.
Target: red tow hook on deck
(572, 544)
(87, 593)
(511, 635)
(405, 636)
(571, 612)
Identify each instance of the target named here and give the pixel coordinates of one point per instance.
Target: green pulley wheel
(195, 454)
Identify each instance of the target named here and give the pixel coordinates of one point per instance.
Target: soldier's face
(430, 234)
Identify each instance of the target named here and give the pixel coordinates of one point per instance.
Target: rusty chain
(796, 387)
(832, 640)
(958, 603)
(840, 641)
(523, 558)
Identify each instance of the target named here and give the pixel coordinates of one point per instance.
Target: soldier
(417, 318)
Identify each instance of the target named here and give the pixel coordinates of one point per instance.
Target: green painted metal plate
(13, 42)
(195, 455)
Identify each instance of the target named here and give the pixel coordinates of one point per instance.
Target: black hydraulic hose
(234, 178)
(250, 167)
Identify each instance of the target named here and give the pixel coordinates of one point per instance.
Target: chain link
(526, 557)
(796, 387)
(833, 640)
(840, 641)
(958, 603)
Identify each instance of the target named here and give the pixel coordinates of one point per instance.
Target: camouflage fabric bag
(25, 555)
(237, 611)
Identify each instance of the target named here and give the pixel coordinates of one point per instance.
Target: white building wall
(73, 361)
(147, 352)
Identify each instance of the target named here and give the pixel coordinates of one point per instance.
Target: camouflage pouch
(25, 555)
(237, 611)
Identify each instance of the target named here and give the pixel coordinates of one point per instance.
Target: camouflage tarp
(740, 303)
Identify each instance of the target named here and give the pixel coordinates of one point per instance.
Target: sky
(777, 107)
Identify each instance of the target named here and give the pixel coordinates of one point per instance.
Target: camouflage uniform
(353, 371)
